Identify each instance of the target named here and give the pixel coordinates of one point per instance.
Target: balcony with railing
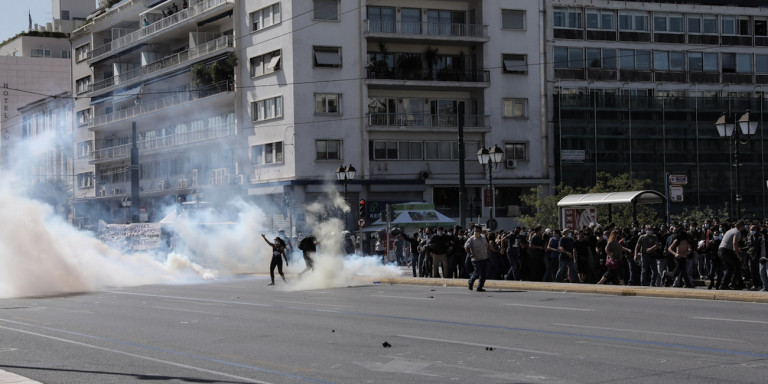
(175, 100)
(426, 120)
(210, 48)
(425, 30)
(161, 25)
(164, 142)
(437, 75)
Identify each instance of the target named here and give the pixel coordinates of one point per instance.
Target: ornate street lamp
(491, 159)
(345, 174)
(734, 136)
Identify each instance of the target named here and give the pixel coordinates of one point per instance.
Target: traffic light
(390, 212)
(361, 215)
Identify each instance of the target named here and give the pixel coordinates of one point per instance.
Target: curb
(618, 290)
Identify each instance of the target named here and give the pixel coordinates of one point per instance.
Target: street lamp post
(727, 130)
(345, 174)
(491, 158)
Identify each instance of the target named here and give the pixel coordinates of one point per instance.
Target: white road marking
(403, 297)
(305, 303)
(196, 300)
(547, 307)
(247, 379)
(639, 331)
(186, 310)
(479, 345)
(733, 320)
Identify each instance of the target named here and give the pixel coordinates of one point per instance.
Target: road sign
(678, 179)
(676, 193)
(361, 223)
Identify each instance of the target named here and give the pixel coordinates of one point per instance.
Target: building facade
(386, 97)
(637, 87)
(49, 160)
(35, 63)
(303, 102)
(157, 67)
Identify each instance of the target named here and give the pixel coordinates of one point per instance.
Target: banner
(578, 217)
(134, 237)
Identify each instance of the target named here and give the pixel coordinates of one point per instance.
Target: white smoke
(42, 254)
(332, 267)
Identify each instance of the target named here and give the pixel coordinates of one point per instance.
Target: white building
(50, 117)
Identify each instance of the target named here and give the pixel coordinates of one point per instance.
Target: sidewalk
(620, 290)
(12, 378)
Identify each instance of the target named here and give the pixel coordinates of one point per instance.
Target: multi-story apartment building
(158, 67)
(378, 85)
(637, 87)
(318, 84)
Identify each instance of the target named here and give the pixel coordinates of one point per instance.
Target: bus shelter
(576, 211)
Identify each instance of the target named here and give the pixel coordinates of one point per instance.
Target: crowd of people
(724, 256)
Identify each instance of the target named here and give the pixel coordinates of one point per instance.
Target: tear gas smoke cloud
(41, 254)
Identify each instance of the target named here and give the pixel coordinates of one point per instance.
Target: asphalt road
(242, 331)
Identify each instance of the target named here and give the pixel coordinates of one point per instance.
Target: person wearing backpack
(308, 247)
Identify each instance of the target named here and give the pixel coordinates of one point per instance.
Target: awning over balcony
(127, 93)
(123, 94)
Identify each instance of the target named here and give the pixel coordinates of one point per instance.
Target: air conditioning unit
(161, 185)
(182, 183)
(511, 163)
(116, 191)
(102, 192)
(241, 179)
(195, 174)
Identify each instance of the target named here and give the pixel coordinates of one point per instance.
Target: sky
(14, 17)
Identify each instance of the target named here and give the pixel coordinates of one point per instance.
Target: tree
(546, 212)
(698, 215)
(216, 72)
(545, 207)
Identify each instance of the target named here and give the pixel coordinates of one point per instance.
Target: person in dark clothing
(308, 247)
(413, 243)
(278, 253)
(566, 260)
(536, 255)
(456, 258)
(755, 247)
(511, 245)
(633, 266)
(439, 246)
(583, 254)
(716, 270)
(730, 254)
